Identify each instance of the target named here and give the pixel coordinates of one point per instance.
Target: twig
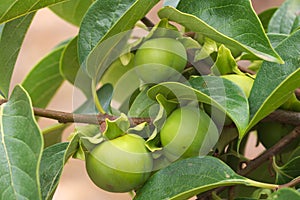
(245, 69)
(284, 116)
(292, 183)
(147, 22)
(253, 164)
(277, 148)
(64, 117)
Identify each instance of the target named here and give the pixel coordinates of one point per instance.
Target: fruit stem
(95, 97)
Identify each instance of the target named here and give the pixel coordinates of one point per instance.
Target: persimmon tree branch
(292, 183)
(256, 162)
(65, 117)
(277, 148)
(283, 116)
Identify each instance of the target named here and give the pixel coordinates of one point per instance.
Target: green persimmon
(269, 133)
(115, 71)
(188, 132)
(160, 59)
(121, 164)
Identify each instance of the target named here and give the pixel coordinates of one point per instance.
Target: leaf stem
(95, 97)
(262, 185)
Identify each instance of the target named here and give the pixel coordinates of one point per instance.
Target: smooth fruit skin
(121, 164)
(188, 132)
(160, 59)
(115, 71)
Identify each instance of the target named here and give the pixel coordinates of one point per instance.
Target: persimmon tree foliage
(168, 106)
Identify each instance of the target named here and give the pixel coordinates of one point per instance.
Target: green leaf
(88, 137)
(284, 194)
(290, 169)
(106, 18)
(187, 178)
(44, 79)
(222, 21)
(70, 68)
(117, 69)
(51, 168)
(72, 10)
(173, 3)
(53, 160)
(104, 95)
(275, 83)
(165, 108)
(218, 92)
(286, 19)
(288, 172)
(117, 127)
(141, 105)
(225, 63)
(11, 38)
(209, 47)
(266, 16)
(20, 148)
(11, 9)
(53, 134)
(276, 38)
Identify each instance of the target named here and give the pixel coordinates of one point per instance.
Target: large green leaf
(11, 9)
(44, 79)
(51, 168)
(52, 163)
(284, 194)
(288, 172)
(218, 92)
(70, 68)
(141, 105)
(187, 178)
(107, 18)
(72, 10)
(20, 148)
(276, 38)
(266, 16)
(286, 19)
(11, 39)
(274, 82)
(223, 22)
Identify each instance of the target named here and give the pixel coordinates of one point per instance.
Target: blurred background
(46, 31)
